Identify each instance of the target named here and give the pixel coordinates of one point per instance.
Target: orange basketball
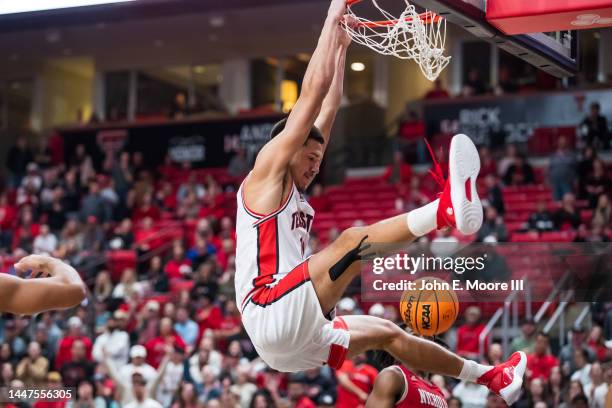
(429, 311)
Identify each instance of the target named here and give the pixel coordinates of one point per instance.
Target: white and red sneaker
(506, 379)
(459, 205)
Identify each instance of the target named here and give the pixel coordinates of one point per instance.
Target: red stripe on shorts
(337, 353)
(267, 295)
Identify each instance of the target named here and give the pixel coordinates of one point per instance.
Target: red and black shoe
(459, 206)
(506, 379)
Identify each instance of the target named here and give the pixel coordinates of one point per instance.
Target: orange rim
(427, 17)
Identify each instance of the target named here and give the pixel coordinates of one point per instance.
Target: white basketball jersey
(269, 246)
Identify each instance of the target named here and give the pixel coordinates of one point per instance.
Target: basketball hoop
(419, 37)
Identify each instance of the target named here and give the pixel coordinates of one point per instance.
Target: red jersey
(363, 376)
(419, 393)
(541, 366)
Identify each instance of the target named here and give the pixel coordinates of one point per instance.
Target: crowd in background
(141, 341)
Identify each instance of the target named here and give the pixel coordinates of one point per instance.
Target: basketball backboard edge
(557, 57)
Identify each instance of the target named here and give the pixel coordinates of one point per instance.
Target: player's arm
(272, 160)
(331, 103)
(345, 381)
(388, 388)
(60, 288)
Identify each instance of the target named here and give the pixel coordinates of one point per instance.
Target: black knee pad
(351, 256)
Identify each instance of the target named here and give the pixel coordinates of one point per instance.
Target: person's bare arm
(60, 286)
(331, 103)
(345, 382)
(265, 184)
(389, 385)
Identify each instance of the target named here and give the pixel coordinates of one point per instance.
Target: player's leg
(373, 333)
(332, 269)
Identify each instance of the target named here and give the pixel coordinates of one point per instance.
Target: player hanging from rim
(287, 300)
(56, 286)
(399, 386)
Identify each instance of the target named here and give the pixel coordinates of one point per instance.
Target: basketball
(429, 312)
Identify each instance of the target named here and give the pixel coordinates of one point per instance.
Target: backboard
(554, 52)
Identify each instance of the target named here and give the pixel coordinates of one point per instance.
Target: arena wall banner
(511, 118)
(203, 143)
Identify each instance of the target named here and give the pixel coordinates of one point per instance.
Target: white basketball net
(419, 37)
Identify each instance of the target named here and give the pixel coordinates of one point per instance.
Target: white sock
(423, 220)
(472, 371)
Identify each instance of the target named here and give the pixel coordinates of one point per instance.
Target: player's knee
(352, 236)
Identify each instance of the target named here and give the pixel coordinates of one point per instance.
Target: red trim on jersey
(267, 295)
(267, 252)
(337, 352)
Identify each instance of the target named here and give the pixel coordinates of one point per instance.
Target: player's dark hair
(315, 133)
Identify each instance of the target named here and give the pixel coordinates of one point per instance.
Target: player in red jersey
(399, 386)
(58, 286)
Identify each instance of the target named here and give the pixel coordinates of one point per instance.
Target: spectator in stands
(470, 395)
(573, 394)
(562, 170)
(46, 242)
(171, 372)
(505, 83)
(567, 217)
(239, 165)
(507, 159)
(474, 85)
(93, 205)
(157, 278)
(122, 237)
(492, 226)
(594, 128)
(541, 219)
(115, 341)
(103, 287)
(179, 107)
(597, 183)
(186, 327)
(83, 163)
(32, 179)
(138, 354)
(84, 396)
(127, 285)
(494, 196)
(567, 353)
(146, 209)
(596, 390)
(156, 347)
(122, 175)
(179, 266)
(519, 173)
(582, 366)
(296, 393)
(78, 367)
(33, 368)
(140, 394)
(526, 341)
(596, 342)
(536, 393)
(75, 333)
(540, 363)
(193, 186)
(468, 334)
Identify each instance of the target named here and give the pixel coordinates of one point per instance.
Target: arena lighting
(25, 6)
(357, 66)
